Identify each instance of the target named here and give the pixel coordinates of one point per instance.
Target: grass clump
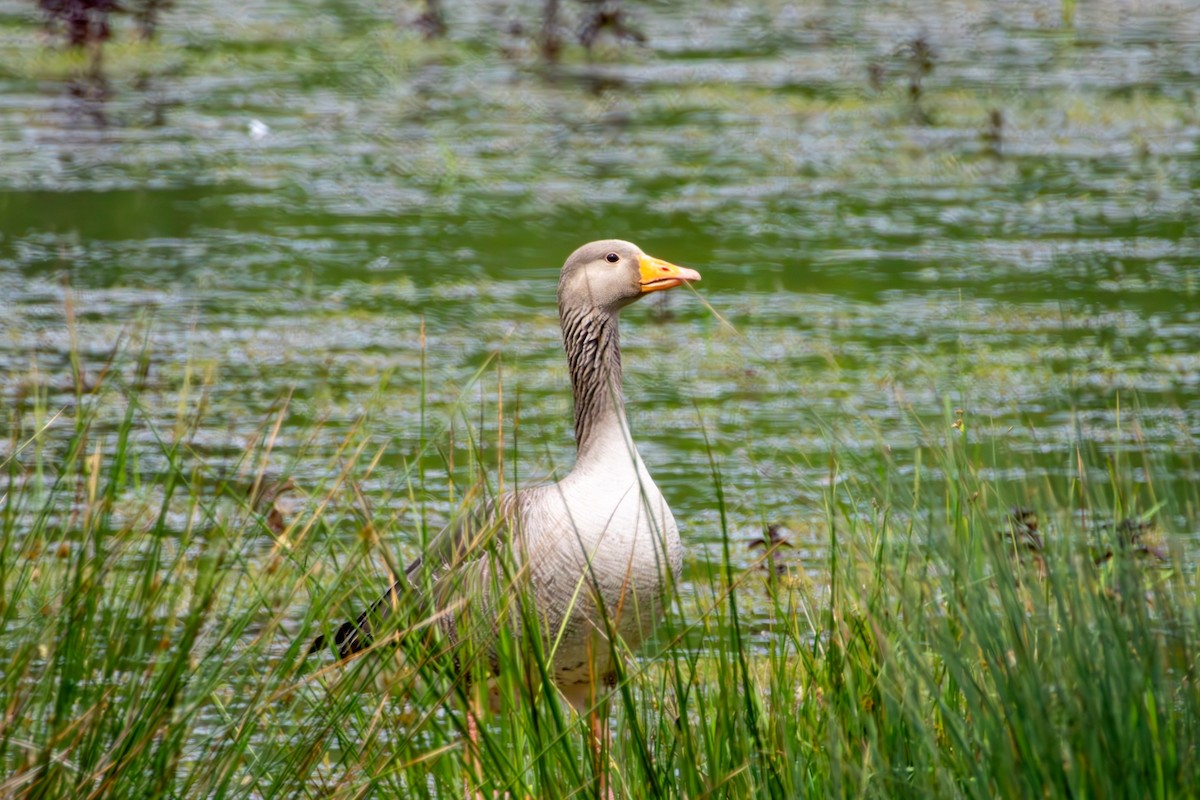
(157, 612)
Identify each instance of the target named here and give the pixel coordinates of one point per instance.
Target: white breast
(604, 531)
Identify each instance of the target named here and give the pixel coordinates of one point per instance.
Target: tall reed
(157, 616)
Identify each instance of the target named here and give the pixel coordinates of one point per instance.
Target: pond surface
(904, 213)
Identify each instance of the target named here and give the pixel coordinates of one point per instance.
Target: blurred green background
(918, 221)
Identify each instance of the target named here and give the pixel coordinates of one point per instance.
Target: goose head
(610, 274)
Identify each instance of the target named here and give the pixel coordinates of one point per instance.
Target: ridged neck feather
(593, 349)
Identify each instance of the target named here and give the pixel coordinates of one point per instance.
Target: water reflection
(899, 211)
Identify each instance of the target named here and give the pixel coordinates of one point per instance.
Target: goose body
(603, 533)
(599, 547)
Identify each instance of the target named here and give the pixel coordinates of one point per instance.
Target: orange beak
(657, 274)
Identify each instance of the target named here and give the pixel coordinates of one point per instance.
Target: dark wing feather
(458, 543)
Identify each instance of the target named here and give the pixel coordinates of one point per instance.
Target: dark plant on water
(921, 59)
(146, 14)
(598, 17)
(84, 24)
(550, 39)
(993, 134)
(432, 21)
(913, 62)
(81, 22)
(607, 15)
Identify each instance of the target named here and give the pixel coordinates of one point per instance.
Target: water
(278, 196)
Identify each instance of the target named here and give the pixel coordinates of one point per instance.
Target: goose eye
(612, 258)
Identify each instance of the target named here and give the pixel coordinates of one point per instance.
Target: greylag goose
(599, 548)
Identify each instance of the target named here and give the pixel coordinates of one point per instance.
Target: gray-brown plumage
(1133, 535)
(1021, 531)
(601, 535)
(773, 542)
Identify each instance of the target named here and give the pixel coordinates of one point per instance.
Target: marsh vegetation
(277, 299)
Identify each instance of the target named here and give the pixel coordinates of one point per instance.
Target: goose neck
(592, 344)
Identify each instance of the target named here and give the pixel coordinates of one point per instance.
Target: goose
(599, 548)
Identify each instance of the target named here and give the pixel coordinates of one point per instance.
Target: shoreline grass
(160, 650)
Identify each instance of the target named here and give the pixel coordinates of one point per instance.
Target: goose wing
(444, 567)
